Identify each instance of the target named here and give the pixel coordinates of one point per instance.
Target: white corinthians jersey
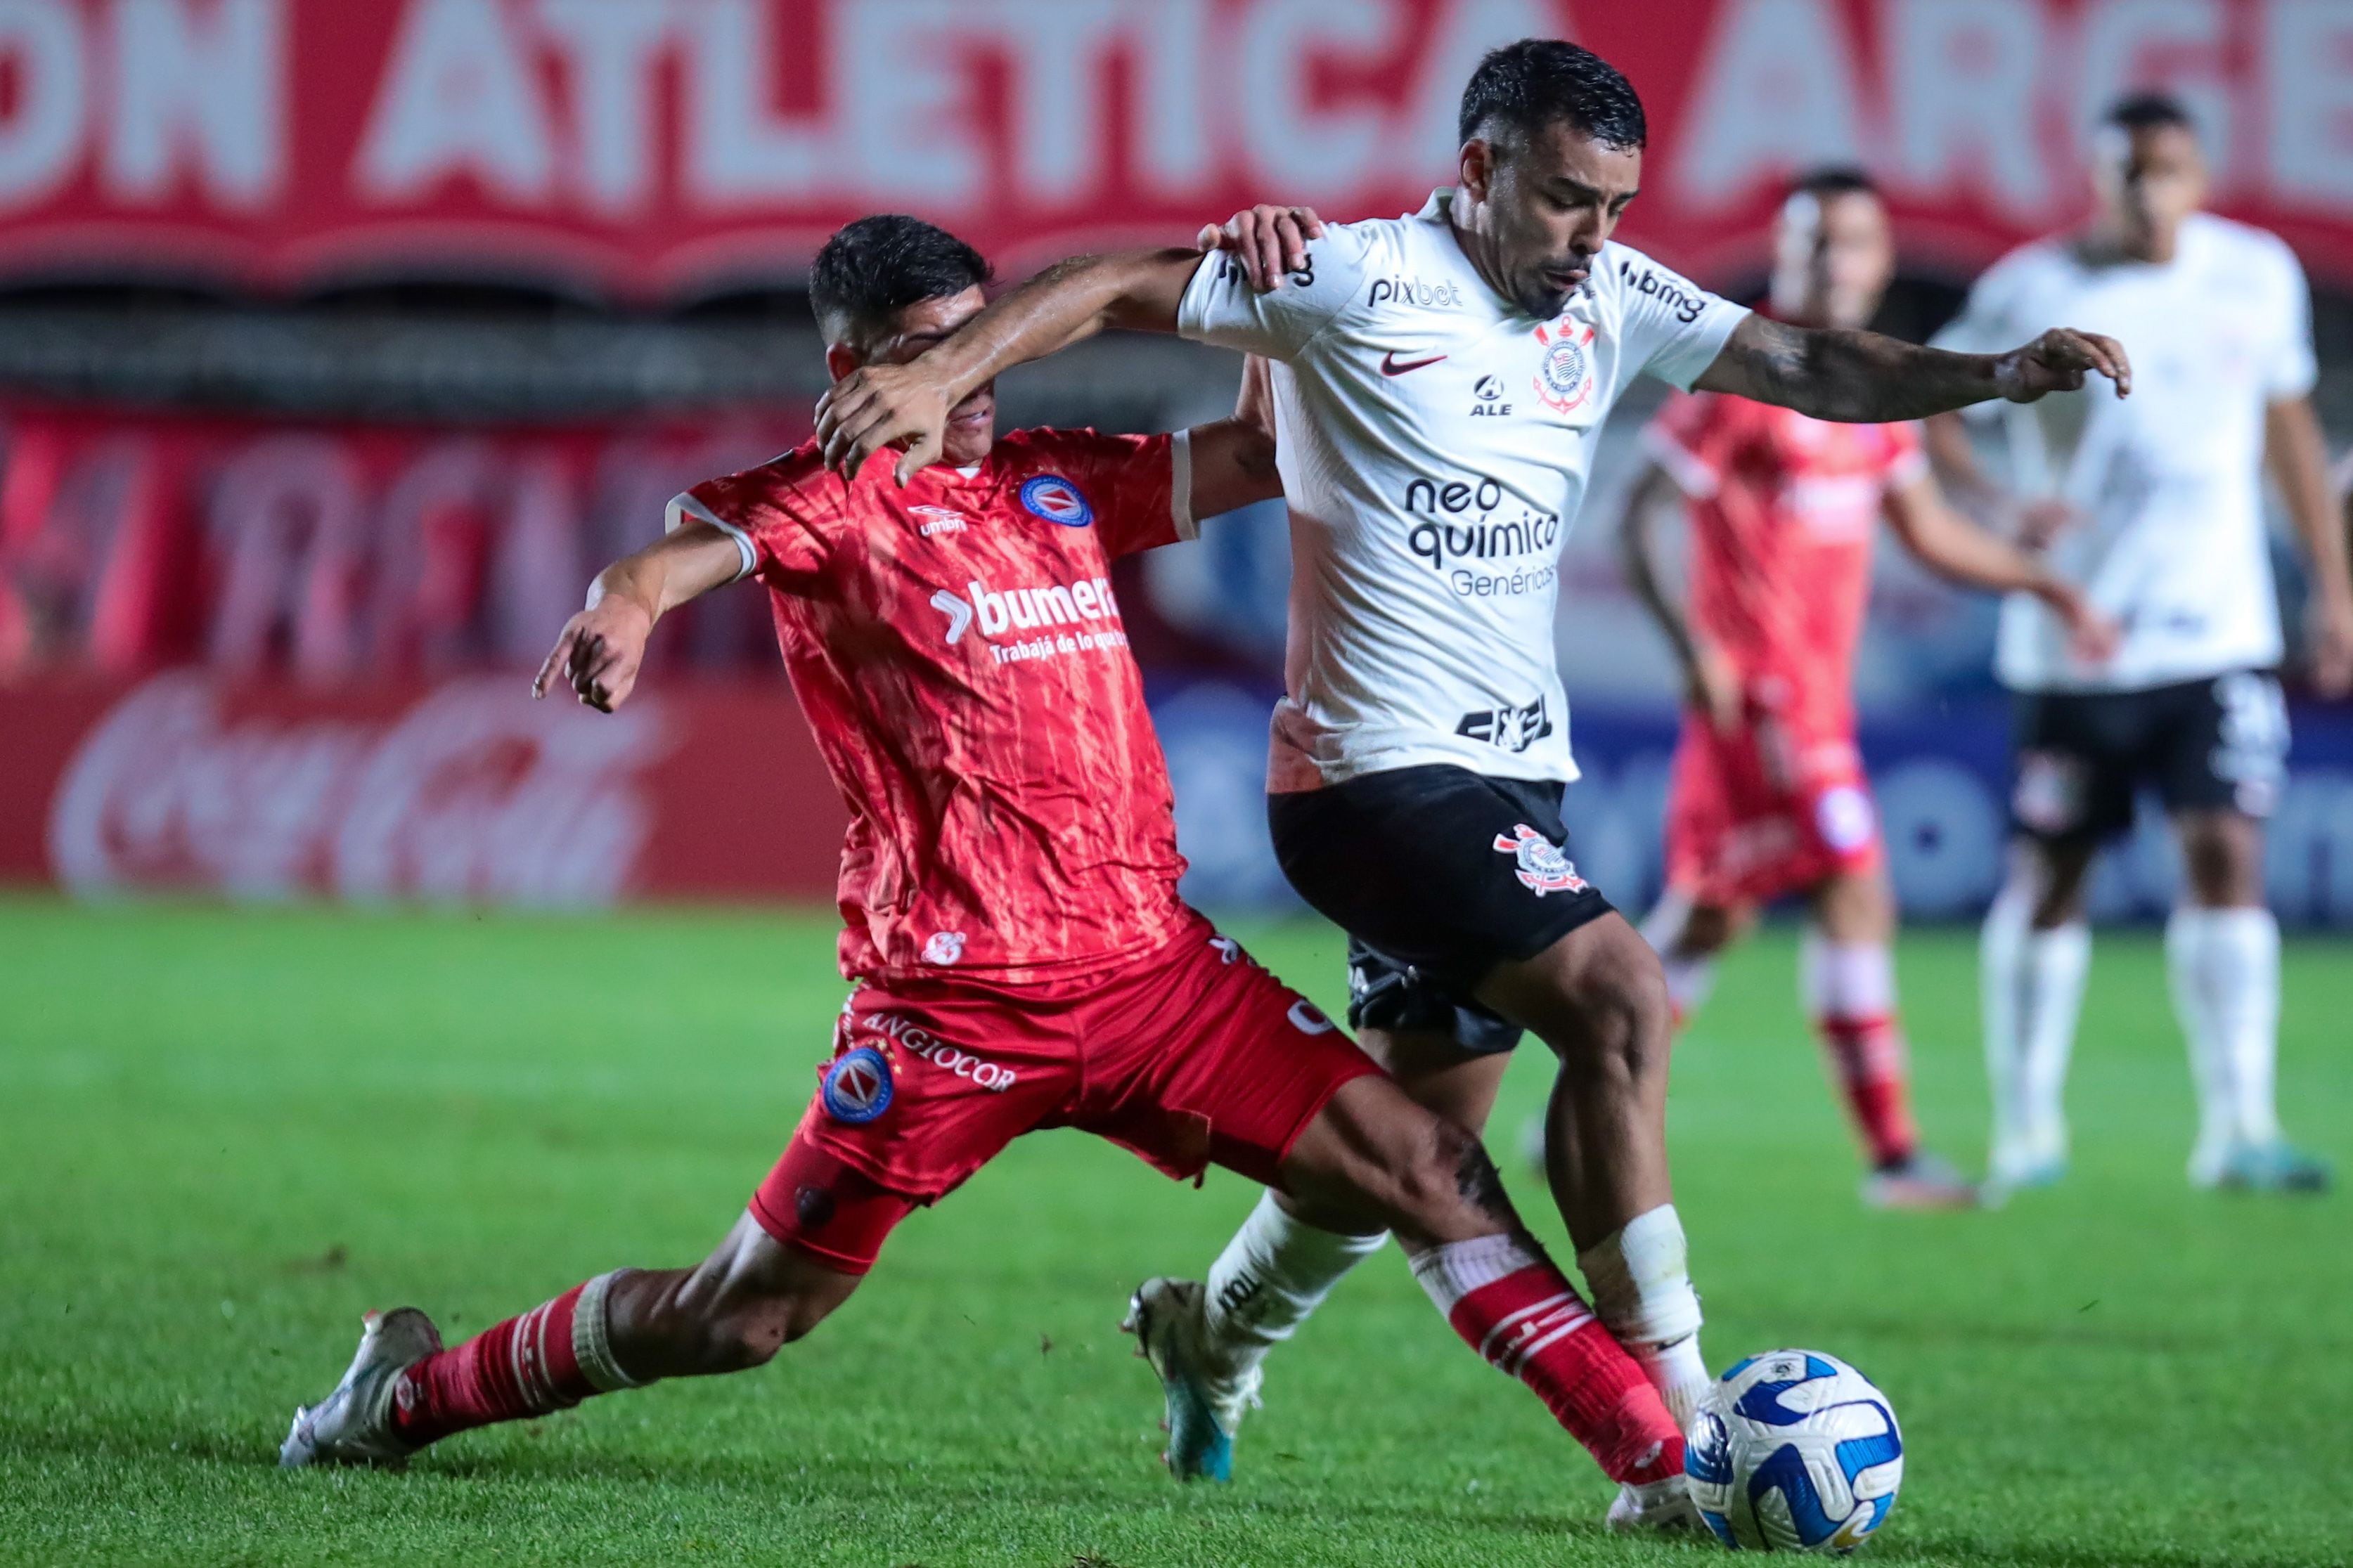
(1435, 443)
(2167, 483)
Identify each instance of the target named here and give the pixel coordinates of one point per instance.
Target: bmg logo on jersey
(1057, 499)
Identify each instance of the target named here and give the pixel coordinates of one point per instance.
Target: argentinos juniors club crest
(1542, 867)
(857, 1087)
(1565, 376)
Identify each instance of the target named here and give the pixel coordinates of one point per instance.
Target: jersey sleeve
(2291, 369)
(1692, 439)
(781, 516)
(1139, 487)
(1670, 327)
(1220, 307)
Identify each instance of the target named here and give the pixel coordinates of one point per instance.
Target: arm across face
(1140, 290)
(1865, 378)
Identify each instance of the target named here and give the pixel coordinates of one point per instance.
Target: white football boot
(352, 1426)
(1204, 1411)
(1662, 1507)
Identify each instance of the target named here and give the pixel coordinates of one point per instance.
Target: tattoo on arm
(1853, 377)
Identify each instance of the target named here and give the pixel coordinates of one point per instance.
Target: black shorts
(1437, 874)
(2216, 743)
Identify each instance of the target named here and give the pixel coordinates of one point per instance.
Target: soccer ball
(1794, 1451)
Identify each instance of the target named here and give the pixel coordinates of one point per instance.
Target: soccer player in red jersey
(1768, 797)
(1019, 954)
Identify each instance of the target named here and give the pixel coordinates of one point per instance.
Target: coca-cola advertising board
(465, 792)
(660, 149)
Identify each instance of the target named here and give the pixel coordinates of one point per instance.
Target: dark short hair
(1833, 180)
(1521, 88)
(876, 267)
(2148, 111)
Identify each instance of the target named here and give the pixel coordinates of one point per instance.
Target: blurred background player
(1020, 956)
(1768, 793)
(1440, 380)
(2155, 508)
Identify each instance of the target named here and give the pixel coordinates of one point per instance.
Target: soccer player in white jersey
(1440, 380)
(2155, 508)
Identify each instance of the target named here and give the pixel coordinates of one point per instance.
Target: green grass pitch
(223, 1135)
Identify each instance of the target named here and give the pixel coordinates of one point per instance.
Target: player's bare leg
(2221, 949)
(1598, 998)
(1209, 1339)
(623, 1330)
(2032, 956)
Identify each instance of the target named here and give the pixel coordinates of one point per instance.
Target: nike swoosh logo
(1389, 365)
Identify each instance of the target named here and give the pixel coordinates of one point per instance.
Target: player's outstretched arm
(907, 405)
(2299, 464)
(1710, 686)
(1958, 551)
(1864, 378)
(599, 649)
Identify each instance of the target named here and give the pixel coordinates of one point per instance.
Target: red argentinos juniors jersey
(1783, 510)
(959, 653)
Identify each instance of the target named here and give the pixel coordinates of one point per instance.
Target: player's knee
(1628, 1021)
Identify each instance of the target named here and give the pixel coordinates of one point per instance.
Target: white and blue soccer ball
(1794, 1451)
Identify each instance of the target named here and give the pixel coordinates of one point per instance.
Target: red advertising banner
(339, 553)
(660, 149)
(466, 792)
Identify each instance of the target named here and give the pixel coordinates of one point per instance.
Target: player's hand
(1712, 689)
(599, 653)
(1269, 241)
(880, 406)
(2061, 359)
(2092, 636)
(2329, 632)
(2040, 521)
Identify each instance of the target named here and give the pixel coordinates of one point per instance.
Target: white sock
(1641, 1288)
(1689, 979)
(2032, 991)
(2224, 965)
(1272, 1274)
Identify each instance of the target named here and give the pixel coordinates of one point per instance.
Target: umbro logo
(1392, 366)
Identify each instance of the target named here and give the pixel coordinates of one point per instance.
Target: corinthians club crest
(1563, 380)
(1542, 867)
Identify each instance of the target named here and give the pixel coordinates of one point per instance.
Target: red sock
(1511, 1305)
(551, 1358)
(1868, 1055)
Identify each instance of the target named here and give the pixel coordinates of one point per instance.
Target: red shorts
(1189, 1056)
(1765, 810)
